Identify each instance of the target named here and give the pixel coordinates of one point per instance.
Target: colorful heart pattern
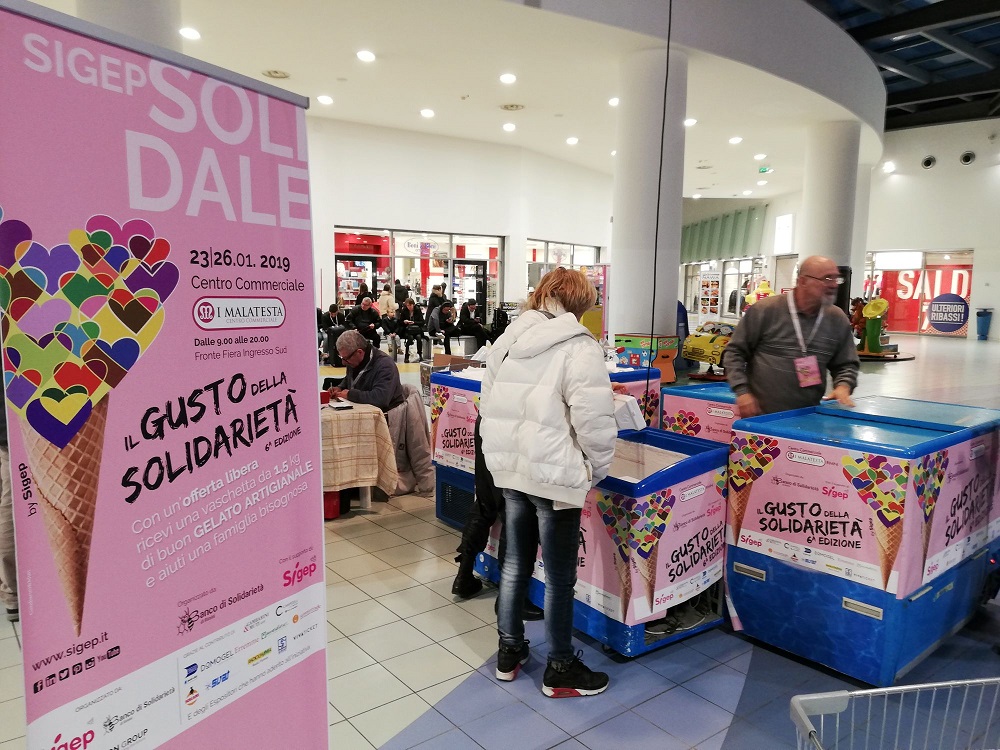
(750, 457)
(684, 422)
(720, 483)
(928, 478)
(649, 403)
(636, 524)
(879, 482)
(78, 316)
(439, 399)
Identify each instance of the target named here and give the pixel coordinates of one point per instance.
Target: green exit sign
(764, 170)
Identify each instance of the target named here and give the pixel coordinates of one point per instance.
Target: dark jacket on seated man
(362, 318)
(375, 379)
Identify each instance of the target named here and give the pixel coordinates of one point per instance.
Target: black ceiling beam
(984, 83)
(977, 110)
(936, 16)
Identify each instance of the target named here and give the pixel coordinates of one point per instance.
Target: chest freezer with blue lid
(652, 544)
(704, 410)
(857, 543)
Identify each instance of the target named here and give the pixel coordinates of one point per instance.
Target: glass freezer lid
(633, 461)
(855, 433)
(917, 413)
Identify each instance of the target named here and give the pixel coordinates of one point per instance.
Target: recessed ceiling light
(508, 78)
(689, 122)
(188, 33)
(735, 139)
(760, 157)
(324, 99)
(889, 167)
(614, 152)
(509, 127)
(428, 113)
(279, 75)
(947, 257)
(747, 192)
(572, 140)
(613, 101)
(366, 56)
(762, 183)
(696, 196)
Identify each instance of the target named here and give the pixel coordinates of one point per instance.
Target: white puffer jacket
(548, 410)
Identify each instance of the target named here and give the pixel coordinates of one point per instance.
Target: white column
(828, 189)
(859, 244)
(643, 284)
(154, 21)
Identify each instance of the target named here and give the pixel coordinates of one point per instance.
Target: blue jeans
(559, 535)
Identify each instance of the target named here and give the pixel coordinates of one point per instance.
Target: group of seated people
(405, 320)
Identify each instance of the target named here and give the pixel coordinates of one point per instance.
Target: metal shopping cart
(939, 716)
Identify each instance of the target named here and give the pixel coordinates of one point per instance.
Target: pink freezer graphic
(864, 516)
(711, 420)
(453, 419)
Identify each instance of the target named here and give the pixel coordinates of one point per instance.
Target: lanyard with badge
(806, 366)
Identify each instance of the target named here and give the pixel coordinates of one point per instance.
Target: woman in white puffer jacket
(549, 433)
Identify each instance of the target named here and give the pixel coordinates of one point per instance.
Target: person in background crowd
(410, 327)
(784, 346)
(362, 293)
(372, 376)
(401, 292)
(8, 560)
(549, 435)
(334, 323)
(387, 306)
(440, 322)
(366, 319)
(470, 323)
(435, 298)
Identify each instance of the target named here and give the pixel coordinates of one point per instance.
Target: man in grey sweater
(782, 349)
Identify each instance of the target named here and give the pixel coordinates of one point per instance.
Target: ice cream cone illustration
(881, 485)
(648, 519)
(616, 523)
(439, 399)
(750, 457)
(77, 317)
(928, 477)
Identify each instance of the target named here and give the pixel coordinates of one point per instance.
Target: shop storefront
(717, 290)
(927, 292)
(469, 266)
(545, 256)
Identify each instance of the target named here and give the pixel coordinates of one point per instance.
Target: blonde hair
(571, 289)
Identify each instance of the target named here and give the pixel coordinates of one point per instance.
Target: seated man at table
(372, 377)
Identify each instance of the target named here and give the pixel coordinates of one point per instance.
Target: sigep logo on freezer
(297, 574)
(74, 743)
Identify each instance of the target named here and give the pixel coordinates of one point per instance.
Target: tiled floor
(409, 666)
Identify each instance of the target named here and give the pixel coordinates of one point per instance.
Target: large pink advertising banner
(886, 522)
(159, 367)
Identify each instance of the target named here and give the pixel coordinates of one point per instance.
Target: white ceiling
(447, 55)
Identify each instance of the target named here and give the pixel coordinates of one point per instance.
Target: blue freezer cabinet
(857, 543)
(652, 546)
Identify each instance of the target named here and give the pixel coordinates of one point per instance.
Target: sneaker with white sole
(573, 679)
(510, 660)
